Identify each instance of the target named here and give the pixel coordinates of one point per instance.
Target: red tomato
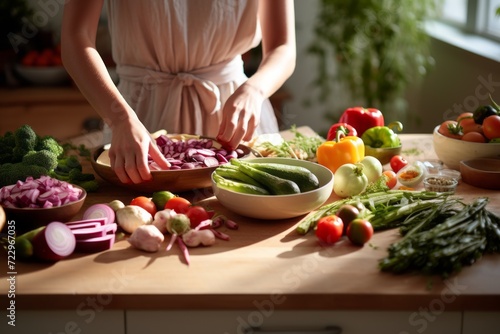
(178, 204)
(464, 115)
(347, 213)
(196, 215)
(329, 229)
(468, 124)
(391, 178)
(397, 162)
(450, 129)
(359, 231)
(474, 137)
(491, 127)
(145, 203)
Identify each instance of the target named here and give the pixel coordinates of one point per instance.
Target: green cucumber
(276, 185)
(232, 172)
(303, 177)
(237, 186)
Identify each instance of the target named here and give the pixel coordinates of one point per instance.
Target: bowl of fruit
(42, 67)
(470, 136)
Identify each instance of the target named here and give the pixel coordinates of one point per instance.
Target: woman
(180, 69)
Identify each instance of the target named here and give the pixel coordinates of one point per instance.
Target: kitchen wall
(460, 80)
(453, 84)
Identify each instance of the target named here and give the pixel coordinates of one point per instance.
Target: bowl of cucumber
(272, 188)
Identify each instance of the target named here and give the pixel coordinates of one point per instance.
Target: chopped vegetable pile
(193, 153)
(44, 192)
(24, 154)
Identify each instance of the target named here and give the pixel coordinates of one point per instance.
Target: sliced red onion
(55, 242)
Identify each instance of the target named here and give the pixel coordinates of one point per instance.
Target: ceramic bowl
(46, 76)
(273, 207)
(384, 155)
(171, 180)
(482, 172)
(451, 151)
(26, 219)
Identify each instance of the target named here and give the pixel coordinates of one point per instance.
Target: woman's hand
(130, 145)
(240, 116)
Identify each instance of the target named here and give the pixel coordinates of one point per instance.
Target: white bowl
(451, 151)
(46, 76)
(279, 206)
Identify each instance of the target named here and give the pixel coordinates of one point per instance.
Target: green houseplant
(379, 47)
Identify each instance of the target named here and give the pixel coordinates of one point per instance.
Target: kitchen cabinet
(298, 322)
(62, 112)
(481, 322)
(84, 319)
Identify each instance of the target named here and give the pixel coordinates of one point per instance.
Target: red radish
(100, 211)
(55, 242)
(95, 245)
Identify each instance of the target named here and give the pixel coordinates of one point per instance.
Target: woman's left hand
(240, 116)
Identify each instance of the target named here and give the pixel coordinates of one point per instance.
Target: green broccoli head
(76, 175)
(7, 144)
(25, 138)
(10, 173)
(49, 143)
(43, 158)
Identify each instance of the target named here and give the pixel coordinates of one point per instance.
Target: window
(473, 16)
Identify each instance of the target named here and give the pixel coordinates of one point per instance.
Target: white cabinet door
(481, 322)
(298, 322)
(78, 321)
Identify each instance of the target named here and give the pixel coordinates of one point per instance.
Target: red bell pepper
(347, 129)
(362, 118)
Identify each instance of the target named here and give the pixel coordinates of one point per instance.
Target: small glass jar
(454, 174)
(440, 183)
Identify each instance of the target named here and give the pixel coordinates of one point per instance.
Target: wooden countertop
(265, 264)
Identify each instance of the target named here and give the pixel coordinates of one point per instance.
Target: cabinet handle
(327, 330)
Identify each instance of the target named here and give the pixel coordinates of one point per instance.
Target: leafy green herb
(299, 147)
(454, 235)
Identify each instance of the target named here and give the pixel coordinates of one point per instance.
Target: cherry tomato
(491, 127)
(145, 203)
(359, 231)
(329, 229)
(391, 178)
(450, 129)
(468, 124)
(196, 215)
(347, 213)
(397, 162)
(474, 137)
(464, 115)
(178, 204)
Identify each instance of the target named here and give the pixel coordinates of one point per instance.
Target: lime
(160, 198)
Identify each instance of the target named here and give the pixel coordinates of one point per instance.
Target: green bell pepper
(382, 136)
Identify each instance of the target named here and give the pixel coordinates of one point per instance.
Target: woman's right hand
(130, 145)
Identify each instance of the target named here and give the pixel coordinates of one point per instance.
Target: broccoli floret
(43, 158)
(25, 140)
(66, 164)
(76, 175)
(10, 173)
(7, 144)
(49, 143)
(89, 186)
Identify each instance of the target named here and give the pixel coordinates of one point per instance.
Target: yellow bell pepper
(344, 149)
